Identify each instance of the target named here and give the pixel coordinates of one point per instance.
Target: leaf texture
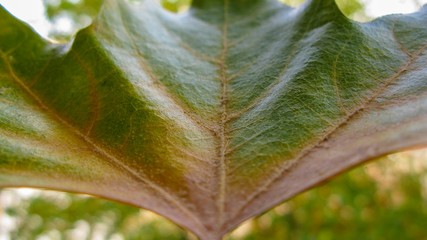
(212, 116)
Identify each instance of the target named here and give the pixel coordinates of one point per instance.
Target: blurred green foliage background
(386, 199)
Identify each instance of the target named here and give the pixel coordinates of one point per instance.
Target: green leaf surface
(212, 116)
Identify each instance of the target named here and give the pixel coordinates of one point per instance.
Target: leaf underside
(212, 116)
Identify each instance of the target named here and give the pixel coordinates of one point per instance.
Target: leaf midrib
(219, 130)
(223, 117)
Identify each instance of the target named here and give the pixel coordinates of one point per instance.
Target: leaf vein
(290, 163)
(94, 147)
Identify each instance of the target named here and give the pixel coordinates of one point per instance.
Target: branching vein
(289, 163)
(98, 150)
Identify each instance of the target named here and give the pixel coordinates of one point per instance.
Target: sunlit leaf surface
(211, 116)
